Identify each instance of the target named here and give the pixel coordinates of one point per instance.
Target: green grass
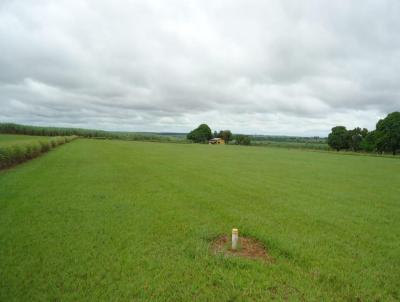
(11, 139)
(129, 221)
(295, 145)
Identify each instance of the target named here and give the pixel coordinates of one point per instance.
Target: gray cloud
(273, 67)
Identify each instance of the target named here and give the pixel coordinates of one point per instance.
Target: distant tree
(215, 135)
(242, 140)
(388, 133)
(364, 132)
(338, 138)
(354, 138)
(201, 134)
(369, 142)
(226, 135)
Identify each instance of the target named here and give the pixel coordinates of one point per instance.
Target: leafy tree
(388, 133)
(364, 132)
(369, 142)
(242, 140)
(355, 138)
(226, 135)
(201, 134)
(338, 138)
(215, 135)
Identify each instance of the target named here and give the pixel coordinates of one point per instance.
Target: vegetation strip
(11, 128)
(17, 153)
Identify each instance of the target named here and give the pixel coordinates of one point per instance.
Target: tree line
(203, 133)
(385, 138)
(11, 128)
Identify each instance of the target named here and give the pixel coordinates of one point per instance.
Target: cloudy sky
(266, 67)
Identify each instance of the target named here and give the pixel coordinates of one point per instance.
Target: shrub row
(9, 128)
(18, 153)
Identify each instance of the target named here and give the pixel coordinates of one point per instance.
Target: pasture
(131, 221)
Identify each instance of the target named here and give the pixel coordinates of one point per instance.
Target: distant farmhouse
(216, 141)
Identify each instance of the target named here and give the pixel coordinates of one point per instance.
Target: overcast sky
(265, 67)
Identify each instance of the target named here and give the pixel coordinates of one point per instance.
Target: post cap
(235, 230)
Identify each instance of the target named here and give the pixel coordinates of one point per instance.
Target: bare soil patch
(248, 248)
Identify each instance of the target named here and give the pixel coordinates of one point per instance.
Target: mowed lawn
(131, 221)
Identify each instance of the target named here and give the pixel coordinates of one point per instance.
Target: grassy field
(291, 145)
(10, 139)
(129, 221)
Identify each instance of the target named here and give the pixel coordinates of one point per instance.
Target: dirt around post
(248, 248)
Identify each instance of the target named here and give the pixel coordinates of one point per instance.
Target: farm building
(216, 141)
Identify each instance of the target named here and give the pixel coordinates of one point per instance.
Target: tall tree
(226, 135)
(388, 133)
(201, 134)
(364, 132)
(215, 135)
(354, 138)
(338, 138)
(369, 142)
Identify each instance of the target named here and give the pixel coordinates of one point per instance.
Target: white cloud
(278, 67)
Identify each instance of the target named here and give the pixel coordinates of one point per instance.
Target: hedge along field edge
(17, 153)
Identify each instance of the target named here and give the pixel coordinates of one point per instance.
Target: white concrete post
(235, 238)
